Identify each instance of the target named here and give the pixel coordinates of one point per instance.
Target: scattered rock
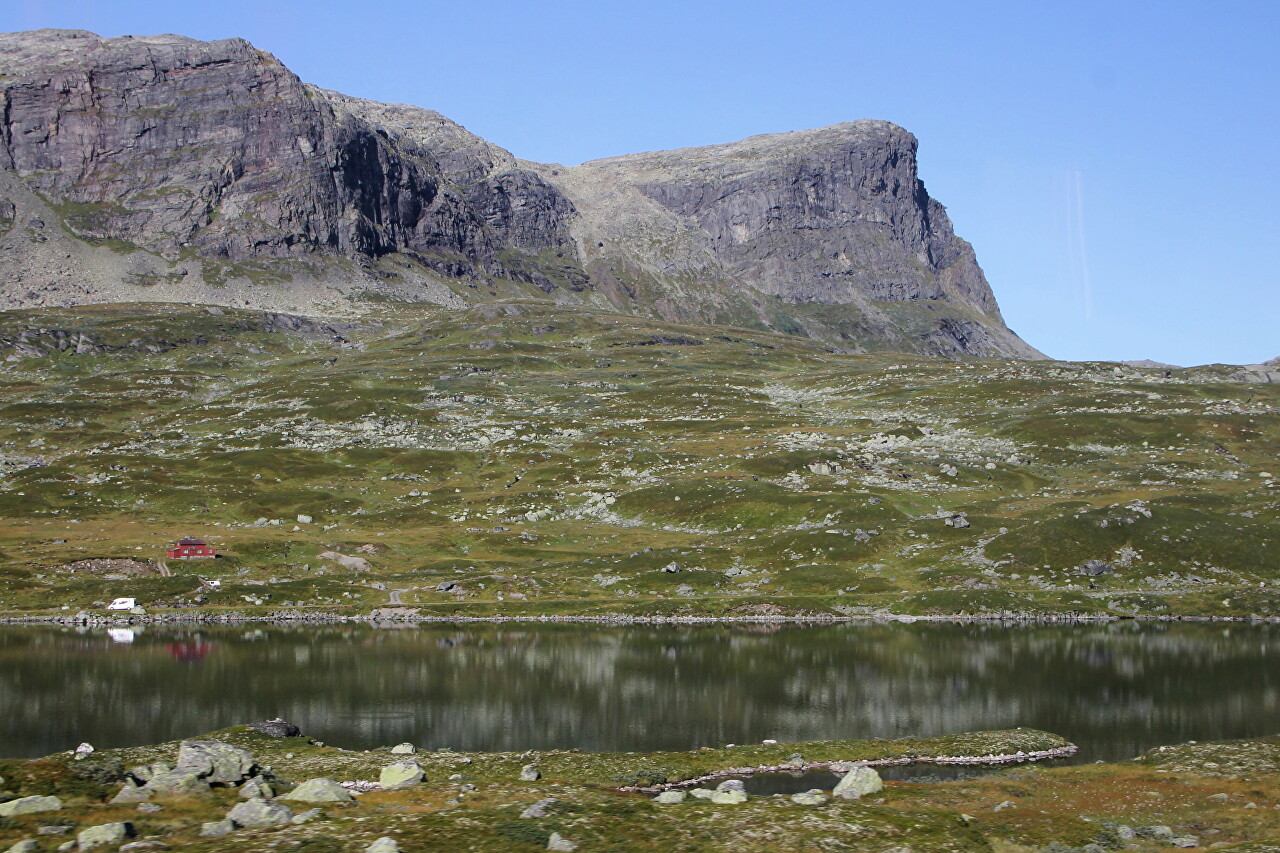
(148, 844)
(858, 782)
(214, 762)
(559, 842)
(671, 798)
(731, 785)
(104, 834)
(217, 828)
(149, 808)
(1184, 841)
(730, 797)
(357, 564)
(307, 816)
(258, 812)
(446, 586)
(319, 791)
(29, 805)
(403, 749)
(130, 793)
(530, 773)
(304, 519)
(812, 797)
(402, 774)
(83, 751)
(1095, 568)
(538, 809)
(53, 830)
(701, 793)
(1158, 832)
(1007, 804)
(26, 845)
(176, 783)
(385, 844)
(276, 728)
(257, 787)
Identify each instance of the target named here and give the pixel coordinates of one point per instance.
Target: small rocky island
(268, 787)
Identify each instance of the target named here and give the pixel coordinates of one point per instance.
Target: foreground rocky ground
(246, 789)
(520, 460)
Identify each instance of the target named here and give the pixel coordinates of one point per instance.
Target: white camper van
(123, 604)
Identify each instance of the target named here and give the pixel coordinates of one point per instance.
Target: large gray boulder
(217, 763)
(670, 798)
(858, 782)
(560, 843)
(131, 793)
(255, 813)
(103, 835)
(402, 774)
(319, 791)
(257, 787)
(217, 828)
(276, 728)
(29, 805)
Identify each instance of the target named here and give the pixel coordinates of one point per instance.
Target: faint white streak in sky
(1077, 251)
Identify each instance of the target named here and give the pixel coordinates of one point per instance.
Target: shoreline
(388, 619)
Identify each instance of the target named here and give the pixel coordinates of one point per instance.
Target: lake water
(1115, 689)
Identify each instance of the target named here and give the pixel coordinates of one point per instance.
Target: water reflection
(1114, 689)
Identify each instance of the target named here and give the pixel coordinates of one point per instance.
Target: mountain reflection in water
(1114, 689)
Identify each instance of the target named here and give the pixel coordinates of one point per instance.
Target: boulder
(149, 808)
(356, 564)
(1095, 568)
(671, 798)
(402, 774)
(217, 763)
(257, 787)
(29, 805)
(530, 773)
(105, 834)
(255, 813)
(176, 783)
(131, 793)
(276, 728)
(559, 842)
(1184, 841)
(385, 844)
(729, 797)
(403, 749)
(307, 816)
(145, 772)
(319, 791)
(538, 809)
(813, 797)
(701, 793)
(731, 785)
(1159, 832)
(83, 751)
(217, 828)
(858, 782)
(26, 845)
(148, 844)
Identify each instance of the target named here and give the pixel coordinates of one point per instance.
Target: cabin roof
(192, 542)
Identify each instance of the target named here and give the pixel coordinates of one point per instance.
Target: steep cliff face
(244, 185)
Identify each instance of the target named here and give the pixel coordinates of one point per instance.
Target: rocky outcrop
(243, 185)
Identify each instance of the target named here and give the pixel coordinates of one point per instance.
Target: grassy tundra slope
(520, 459)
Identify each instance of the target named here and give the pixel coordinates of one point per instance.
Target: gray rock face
(858, 782)
(277, 727)
(176, 783)
(229, 170)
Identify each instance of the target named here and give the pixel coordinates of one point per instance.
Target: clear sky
(1114, 163)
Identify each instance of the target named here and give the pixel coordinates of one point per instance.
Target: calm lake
(1115, 690)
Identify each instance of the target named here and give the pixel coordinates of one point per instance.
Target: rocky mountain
(166, 169)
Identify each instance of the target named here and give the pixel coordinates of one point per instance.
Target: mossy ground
(1204, 790)
(556, 461)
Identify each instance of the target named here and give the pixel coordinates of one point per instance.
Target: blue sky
(1114, 163)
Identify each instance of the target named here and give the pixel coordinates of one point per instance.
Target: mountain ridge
(162, 168)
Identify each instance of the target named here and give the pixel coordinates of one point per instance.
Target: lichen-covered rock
(530, 773)
(106, 834)
(217, 828)
(131, 793)
(255, 813)
(26, 845)
(385, 844)
(729, 797)
(858, 782)
(402, 774)
(538, 809)
(307, 816)
(319, 791)
(29, 805)
(669, 798)
(560, 843)
(257, 787)
(813, 797)
(403, 749)
(176, 783)
(217, 763)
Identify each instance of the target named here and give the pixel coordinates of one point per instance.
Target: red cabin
(191, 549)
